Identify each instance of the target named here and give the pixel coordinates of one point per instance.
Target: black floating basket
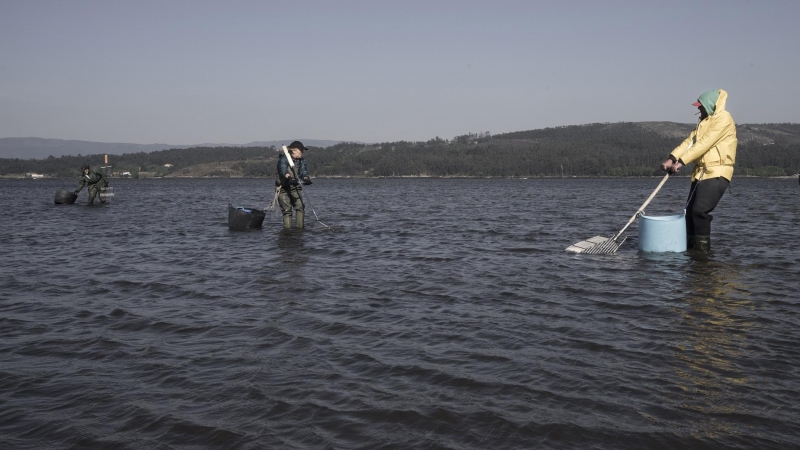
(65, 197)
(242, 218)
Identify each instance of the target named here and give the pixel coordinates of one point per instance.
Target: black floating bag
(241, 218)
(65, 197)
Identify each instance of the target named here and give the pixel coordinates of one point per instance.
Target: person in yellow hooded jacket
(712, 148)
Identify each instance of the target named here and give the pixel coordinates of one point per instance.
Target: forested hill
(605, 149)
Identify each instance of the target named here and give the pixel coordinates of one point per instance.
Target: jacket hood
(723, 98)
(713, 101)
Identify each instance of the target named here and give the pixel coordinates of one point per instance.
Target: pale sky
(187, 72)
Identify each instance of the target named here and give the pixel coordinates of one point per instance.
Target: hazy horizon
(192, 72)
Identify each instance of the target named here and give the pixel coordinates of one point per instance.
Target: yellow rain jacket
(712, 145)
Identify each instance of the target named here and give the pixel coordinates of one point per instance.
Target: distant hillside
(746, 133)
(600, 149)
(634, 148)
(39, 148)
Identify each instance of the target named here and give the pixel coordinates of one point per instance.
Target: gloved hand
(306, 181)
(293, 182)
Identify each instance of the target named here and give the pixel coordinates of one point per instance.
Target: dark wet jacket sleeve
(303, 168)
(283, 168)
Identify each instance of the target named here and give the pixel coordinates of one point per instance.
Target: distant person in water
(95, 179)
(290, 194)
(712, 147)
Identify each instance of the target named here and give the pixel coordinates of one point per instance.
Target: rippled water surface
(435, 314)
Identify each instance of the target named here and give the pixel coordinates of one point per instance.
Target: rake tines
(609, 246)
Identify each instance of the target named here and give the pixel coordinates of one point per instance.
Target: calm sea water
(434, 314)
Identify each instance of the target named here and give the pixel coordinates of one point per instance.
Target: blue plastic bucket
(662, 234)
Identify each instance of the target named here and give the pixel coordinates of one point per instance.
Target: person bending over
(95, 179)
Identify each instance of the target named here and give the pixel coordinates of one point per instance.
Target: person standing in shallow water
(712, 147)
(290, 194)
(95, 179)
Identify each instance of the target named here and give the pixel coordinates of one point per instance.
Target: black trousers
(707, 194)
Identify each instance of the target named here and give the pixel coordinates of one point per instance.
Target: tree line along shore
(625, 149)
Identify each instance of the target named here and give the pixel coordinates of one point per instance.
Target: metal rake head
(605, 248)
(597, 245)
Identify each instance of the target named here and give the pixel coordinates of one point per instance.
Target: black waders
(703, 243)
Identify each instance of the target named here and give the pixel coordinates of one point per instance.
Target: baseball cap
(298, 145)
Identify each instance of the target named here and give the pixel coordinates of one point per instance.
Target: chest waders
(291, 197)
(283, 198)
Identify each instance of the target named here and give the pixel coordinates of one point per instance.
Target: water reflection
(290, 245)
(667, 257)
(713, 335)
(478, 327)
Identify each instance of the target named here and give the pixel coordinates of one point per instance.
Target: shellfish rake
(600, 245)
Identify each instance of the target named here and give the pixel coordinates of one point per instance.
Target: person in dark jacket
(290, 195)
(95, 179)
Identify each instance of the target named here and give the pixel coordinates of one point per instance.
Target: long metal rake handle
(644, 205)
